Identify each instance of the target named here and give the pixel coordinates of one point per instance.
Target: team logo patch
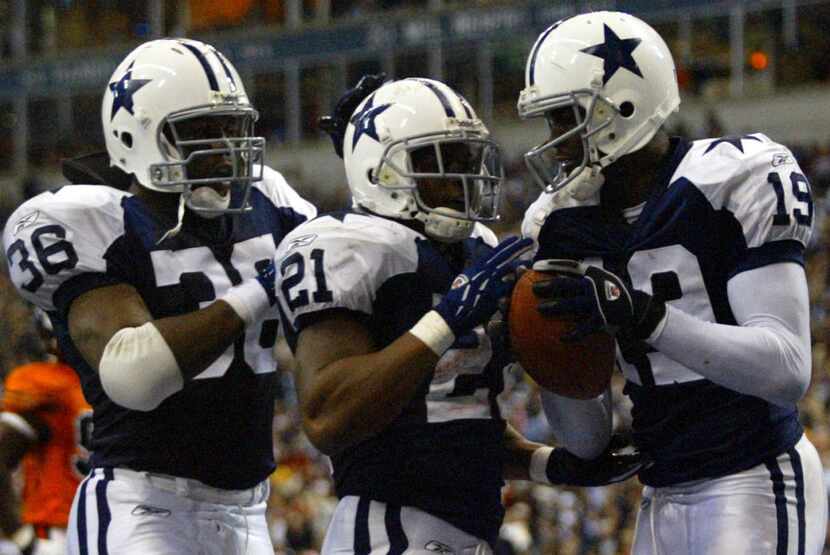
(301, 241)
(438, 547)
(781, 159)
(26, 221)
(612, 292)
(149, 510)
(460, 281)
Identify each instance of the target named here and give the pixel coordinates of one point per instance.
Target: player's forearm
(198, 338)
(357, 397)
(517, 453)
(768, 354)
(761, 358)
(583, 427)
(144, 365)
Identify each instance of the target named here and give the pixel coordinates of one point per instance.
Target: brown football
(578, 370)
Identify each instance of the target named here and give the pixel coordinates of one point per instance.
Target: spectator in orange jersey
(43, 419)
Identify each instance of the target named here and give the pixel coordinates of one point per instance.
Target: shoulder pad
(341, 262)
(58, 235)
(274, 186)
(757, 180)
(545, 205)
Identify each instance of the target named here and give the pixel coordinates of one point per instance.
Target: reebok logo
(301, 241)
(781, 158)
(26, 221)
(148, 510)
(438, 547)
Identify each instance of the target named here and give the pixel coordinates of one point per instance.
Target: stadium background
(742, 66)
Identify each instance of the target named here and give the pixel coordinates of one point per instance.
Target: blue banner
(261, 51)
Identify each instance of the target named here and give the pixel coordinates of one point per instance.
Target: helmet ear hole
(126, 139)
(627, 109)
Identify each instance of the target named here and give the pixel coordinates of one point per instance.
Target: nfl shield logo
(460, 281)
(612, 292)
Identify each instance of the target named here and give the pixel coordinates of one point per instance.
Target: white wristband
(539, 465)
(434, 332)
(248, 299)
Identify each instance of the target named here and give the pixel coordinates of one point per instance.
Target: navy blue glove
(267, 277)
(597, 298)
(335, 124)
(618, 463)
(475, 293)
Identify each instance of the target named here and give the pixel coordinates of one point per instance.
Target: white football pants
(120, 512)
(361, 526)
(775, 508)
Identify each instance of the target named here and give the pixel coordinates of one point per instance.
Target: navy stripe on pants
(362, 546)
(82, 546)
(104, 514)
(394, 529)
(780, 505)
(800, 502)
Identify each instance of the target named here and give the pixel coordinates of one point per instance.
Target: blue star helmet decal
(615, 53)
(732, 140)
(364, 121)
(123, 91)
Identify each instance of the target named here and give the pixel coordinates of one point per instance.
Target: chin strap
(178, 227)
(446, 228)
(585, 183)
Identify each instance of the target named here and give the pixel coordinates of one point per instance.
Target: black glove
(95, 169)
(598, 299)
(618, 463)
(335, 124)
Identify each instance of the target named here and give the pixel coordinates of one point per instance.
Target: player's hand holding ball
(598, 299)
(563, 318)
(579, 370)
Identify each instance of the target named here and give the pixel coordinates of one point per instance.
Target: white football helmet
(413, 132)
(170, 104)
(616, 73)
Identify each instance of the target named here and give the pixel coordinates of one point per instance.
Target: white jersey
(720, 207)
(64, 243)
(388, 276)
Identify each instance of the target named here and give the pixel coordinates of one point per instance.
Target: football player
(42, 424)
(162, 300)
(397, 379)
(691, 254)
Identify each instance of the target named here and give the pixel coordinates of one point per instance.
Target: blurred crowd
(58, 25)
(539, 520)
